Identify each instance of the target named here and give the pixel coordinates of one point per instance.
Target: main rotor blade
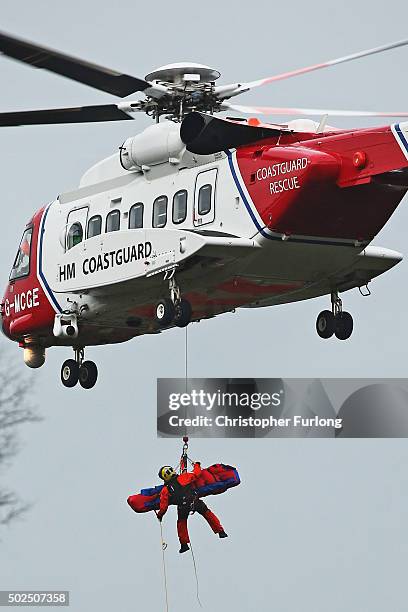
(227, 91)
(320, 112)
(101, 78)
(205, 134)
(79, 114)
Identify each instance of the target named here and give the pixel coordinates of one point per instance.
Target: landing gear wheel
(88, 374)
(182, 316)
(69, 373)
(343, 325)
(325, 324)
(164, 312)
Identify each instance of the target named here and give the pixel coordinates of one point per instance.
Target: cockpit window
(21, 266)
(75, 235)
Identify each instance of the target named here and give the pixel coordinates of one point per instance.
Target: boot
(184, 548)
(222, 534)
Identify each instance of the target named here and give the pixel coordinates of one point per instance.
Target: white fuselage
(216, 250)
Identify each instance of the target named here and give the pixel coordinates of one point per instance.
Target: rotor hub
(190, 87)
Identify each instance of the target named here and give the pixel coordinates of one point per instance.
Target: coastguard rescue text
(278, 172)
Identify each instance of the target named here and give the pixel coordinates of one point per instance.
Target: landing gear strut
(335, 321)
(77, 370)
(174, 309)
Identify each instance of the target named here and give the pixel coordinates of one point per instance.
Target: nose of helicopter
(1, 317)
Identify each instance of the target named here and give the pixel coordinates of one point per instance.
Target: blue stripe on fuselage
(40, 252)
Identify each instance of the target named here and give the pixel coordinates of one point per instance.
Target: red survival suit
(180, 490)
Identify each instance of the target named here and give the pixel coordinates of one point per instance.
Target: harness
(181, 495)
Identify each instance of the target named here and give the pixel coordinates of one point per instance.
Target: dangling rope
(163, 547)
(196, 576)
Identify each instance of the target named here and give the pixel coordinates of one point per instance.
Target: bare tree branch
(16, 409)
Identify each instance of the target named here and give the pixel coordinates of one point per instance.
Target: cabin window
(21, 266)
(75, 235)
(180, 206)
(94, 226)
(136, 216)
(113, 221)
(160, 211)
(204, 199)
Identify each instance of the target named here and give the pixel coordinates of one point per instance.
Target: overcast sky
(316, 525)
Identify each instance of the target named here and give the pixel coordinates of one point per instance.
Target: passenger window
(94, 226)
(160, 211)
(113, 221)
(136, 216)
(75, 235)
(21, 266)
(204, 199)
(180, 206)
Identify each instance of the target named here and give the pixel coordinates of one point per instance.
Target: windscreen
(21, 266)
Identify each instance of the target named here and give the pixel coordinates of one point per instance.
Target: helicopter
(198, 215)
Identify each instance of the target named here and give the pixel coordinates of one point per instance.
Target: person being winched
(179, 490)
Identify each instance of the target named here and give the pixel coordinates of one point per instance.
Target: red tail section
(328, 185)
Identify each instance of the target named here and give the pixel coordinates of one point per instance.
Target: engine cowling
(157, 144)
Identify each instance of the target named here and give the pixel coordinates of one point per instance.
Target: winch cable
(163, 547)
(186, 358)
(186, 382)
(182, 468)
(184, 459)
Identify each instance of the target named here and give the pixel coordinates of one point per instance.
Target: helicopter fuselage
(281, 220)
